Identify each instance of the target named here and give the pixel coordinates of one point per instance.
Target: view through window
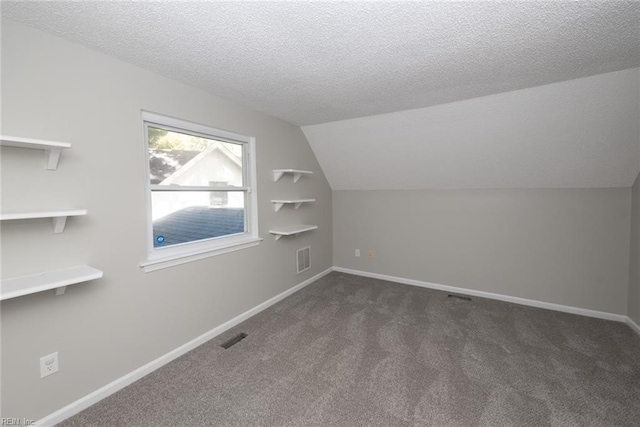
(198, 188)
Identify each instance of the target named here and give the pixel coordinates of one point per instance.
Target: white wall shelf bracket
(52, 157)
(58, 224)
(52, 149)
(297, 174)
(278, 204)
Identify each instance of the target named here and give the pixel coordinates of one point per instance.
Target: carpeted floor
(353, 351)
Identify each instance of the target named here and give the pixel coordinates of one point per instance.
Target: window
(201, 191)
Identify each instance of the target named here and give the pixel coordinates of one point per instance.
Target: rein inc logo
(17, 422)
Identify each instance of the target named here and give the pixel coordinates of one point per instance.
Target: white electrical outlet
(48, 364)
(357, 252)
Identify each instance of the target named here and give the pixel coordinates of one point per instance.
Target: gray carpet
(352, 351)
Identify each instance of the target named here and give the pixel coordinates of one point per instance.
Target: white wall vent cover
(303, 258)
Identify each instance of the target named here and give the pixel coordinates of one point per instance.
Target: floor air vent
(459, 297)
(234, 340)
(303, 259)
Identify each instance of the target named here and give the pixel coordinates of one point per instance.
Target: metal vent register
(303, 259)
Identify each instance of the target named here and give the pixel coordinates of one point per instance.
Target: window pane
(188, 216)
(185, 160)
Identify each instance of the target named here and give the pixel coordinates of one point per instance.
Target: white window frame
(158, 258)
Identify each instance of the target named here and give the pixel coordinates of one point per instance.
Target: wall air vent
(234, 340)
(303, 259)
(466, 298)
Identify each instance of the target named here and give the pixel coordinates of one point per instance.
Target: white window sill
(158, 261)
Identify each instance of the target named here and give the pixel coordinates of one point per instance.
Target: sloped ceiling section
(316, 62)
(577, 133)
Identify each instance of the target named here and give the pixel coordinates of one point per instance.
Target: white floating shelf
(58, 280)
(52, 149)
(297, 174)
(278, 204)
(291, 230)
(59, 217)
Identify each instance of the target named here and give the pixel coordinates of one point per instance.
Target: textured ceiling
(315, 62)
(580, 133)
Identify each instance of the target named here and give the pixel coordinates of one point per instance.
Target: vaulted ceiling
(401, 94)
(581, 133)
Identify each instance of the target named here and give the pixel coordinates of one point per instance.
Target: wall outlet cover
(49, 364)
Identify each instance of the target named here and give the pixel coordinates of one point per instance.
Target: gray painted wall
(564, 246)
(633, 309)
(56, 90)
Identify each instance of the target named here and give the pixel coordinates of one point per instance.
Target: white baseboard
(489, 295)
(103, 392)
(633, 325)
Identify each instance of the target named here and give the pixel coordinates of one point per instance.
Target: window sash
(172, 236)
(155, 187)
(218, 135)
